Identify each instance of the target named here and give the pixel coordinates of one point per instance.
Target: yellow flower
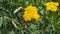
(30, 9)
(27, 16)
(52, 6)
(30, 13)
(36, 16)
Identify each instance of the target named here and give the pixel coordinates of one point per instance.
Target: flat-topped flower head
(31, 9)
(52, 6)
(30, 13)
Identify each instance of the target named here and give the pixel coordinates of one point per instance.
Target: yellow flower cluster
(52, 6)
(30, 13)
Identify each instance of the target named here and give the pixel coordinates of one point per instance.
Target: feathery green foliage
(11, 23)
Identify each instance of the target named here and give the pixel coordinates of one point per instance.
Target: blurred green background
(49, 23)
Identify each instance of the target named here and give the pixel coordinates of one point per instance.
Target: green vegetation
(13, 23)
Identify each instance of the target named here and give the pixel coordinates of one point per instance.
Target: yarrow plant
(30, 13)
(52, 6)
(22, 17)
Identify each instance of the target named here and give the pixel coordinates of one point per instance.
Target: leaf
(33, 27)
(11, 32)
(0, 32)
(33, 33)
(0, 21)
